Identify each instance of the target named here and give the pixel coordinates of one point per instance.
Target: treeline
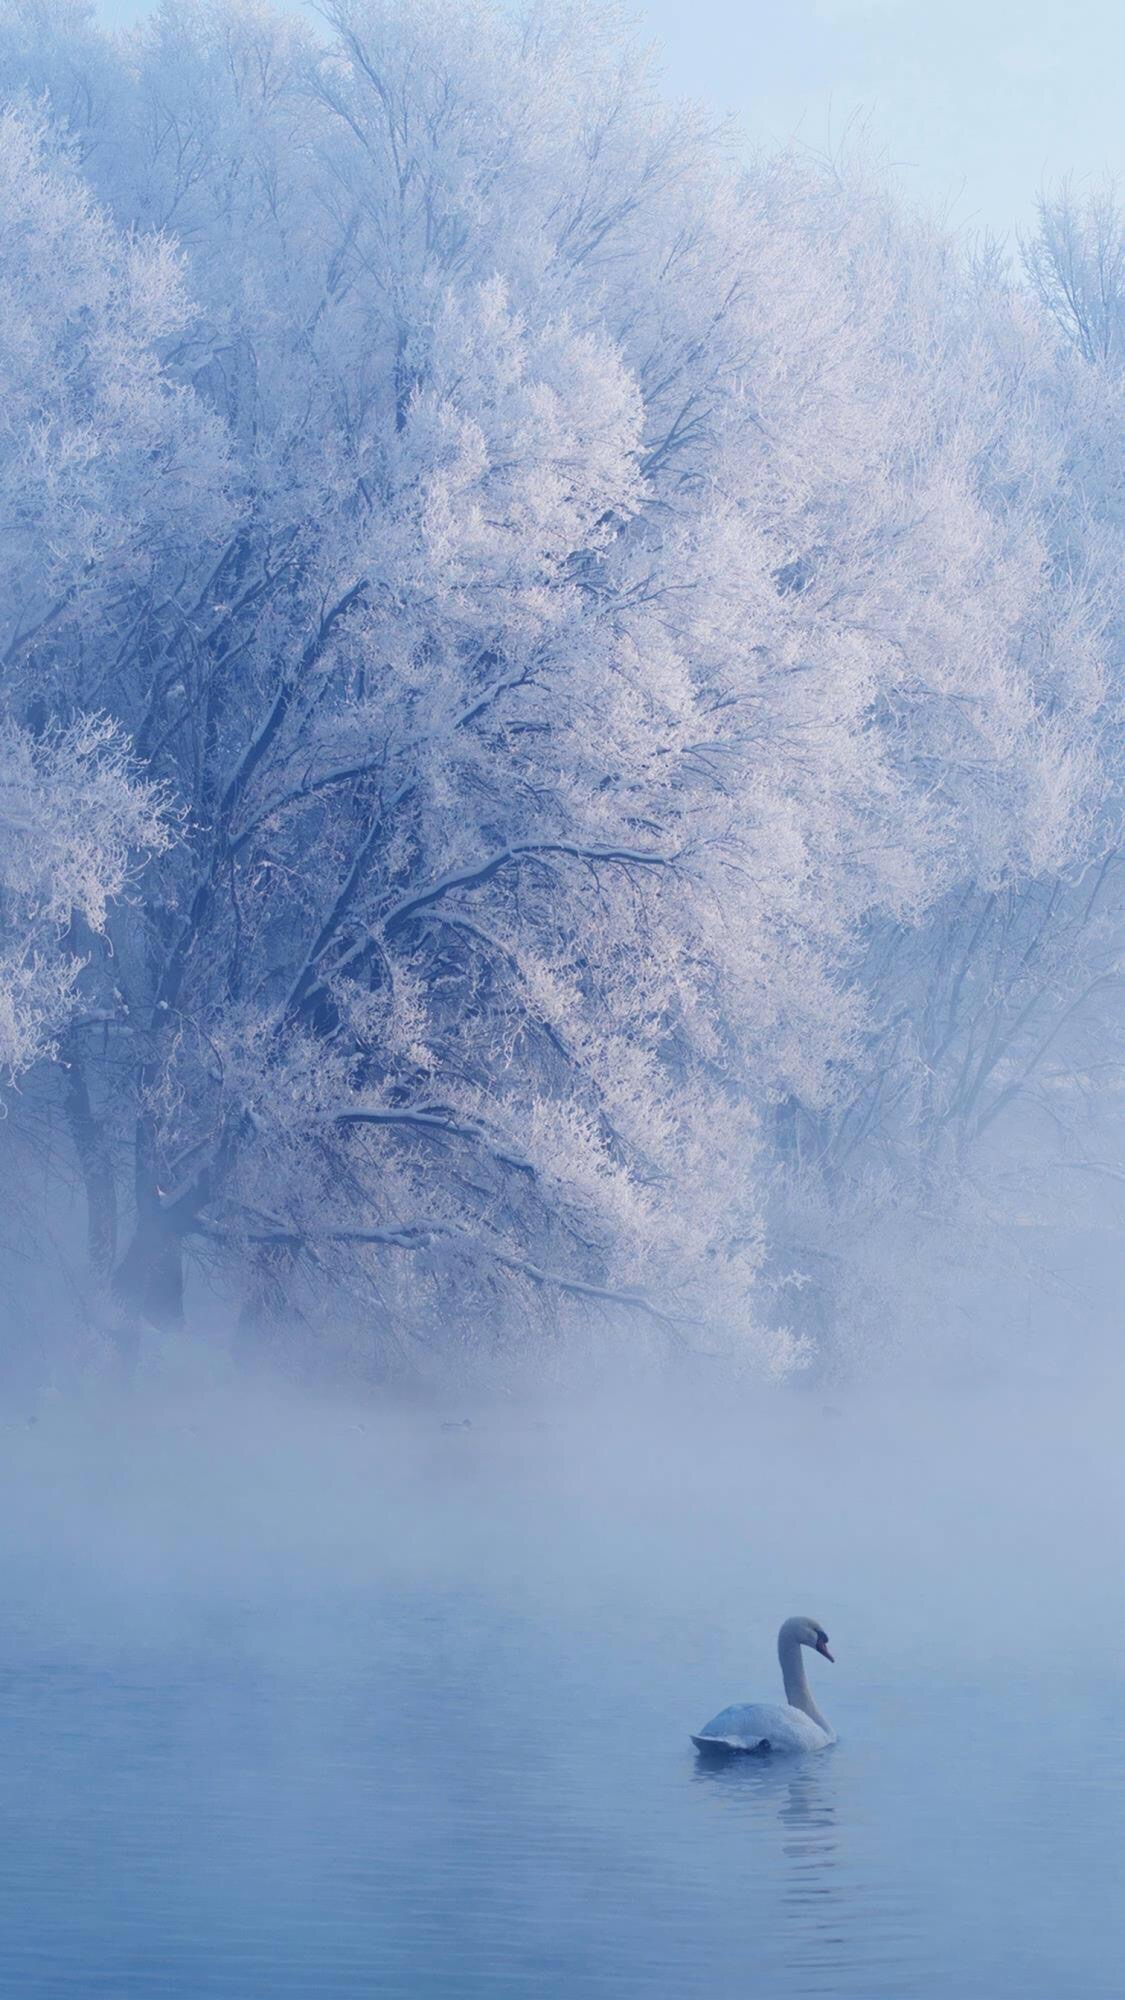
(561, 745)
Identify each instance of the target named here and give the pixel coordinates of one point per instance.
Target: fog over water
(562, 921)
(329, 1699)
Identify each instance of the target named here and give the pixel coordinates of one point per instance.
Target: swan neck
(797, 1690)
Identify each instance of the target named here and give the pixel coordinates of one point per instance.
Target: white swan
(763, 1725)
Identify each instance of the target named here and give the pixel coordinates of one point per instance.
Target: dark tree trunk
(95, 1162)
(267, 1314)
(150, 1277)
(149, 1280)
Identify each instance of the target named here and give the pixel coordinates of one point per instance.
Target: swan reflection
(813, 1892)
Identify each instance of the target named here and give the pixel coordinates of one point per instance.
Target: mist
(561, 941)
(378, 1696)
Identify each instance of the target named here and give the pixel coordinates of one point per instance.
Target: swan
(763, 1725)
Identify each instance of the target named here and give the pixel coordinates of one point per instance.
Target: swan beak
(822, 1649)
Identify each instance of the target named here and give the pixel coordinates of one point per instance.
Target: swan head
(804, 1632)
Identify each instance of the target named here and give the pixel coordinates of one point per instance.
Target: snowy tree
(104, 467)
(587, 608)
(75, 818)
(993, 1025)
(1075, 263)
(74, 823)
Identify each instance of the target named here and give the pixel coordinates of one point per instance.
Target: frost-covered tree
(75, 460)
(575, 597)
(74, 823)
(992, 1044)
(1075, 263)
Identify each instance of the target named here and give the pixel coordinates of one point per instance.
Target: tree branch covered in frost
(615, 633)
(1075, 260)
(74, 825)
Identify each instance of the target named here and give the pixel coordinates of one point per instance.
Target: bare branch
(480, 872)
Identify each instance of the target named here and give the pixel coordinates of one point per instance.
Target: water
(299, 1709)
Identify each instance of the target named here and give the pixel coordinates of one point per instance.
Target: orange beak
(822, 1649)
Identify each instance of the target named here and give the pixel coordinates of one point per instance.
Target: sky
(976, 104)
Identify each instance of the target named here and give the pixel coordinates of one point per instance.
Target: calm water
(363, 1716)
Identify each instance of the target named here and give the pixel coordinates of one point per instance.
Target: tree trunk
(267, 1314)
(150, 1277)
(92, 1150)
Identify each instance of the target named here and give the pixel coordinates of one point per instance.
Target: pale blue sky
(977, 105)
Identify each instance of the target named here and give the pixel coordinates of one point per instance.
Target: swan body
(762, 1725)
(759, 1727)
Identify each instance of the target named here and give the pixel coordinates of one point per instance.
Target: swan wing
(758, 1725)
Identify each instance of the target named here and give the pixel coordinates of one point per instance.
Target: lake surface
(340, 1713)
